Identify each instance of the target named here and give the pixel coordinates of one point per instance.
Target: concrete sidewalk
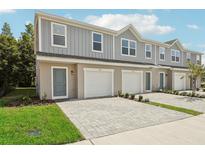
(186, 131)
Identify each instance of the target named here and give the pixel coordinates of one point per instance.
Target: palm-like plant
(196, 71)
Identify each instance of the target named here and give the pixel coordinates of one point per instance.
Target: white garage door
(98, 82)
(179, 81)
(132, 81)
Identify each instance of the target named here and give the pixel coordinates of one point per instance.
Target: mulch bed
(33, 101)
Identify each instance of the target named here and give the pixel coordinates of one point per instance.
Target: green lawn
(17, 93)
(180, 109)
(47, 123)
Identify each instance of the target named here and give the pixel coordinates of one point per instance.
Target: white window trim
(65, 35)
(39, 34)
(150, 81)
(164, 79)
(160, 53)
(97, 70)
(97, 42)
(175, 54)
(129, 47)
(52, 89)
(148, 51)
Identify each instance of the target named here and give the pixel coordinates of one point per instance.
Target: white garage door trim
(52, 89)
(98, 69)
(141, 72)
(183, 74)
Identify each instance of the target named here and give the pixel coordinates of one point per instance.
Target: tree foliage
(196, 71)
(27, 59)
(9, 58)
(6, 30)
(17, 62)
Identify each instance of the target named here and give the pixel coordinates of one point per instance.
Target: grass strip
(175, 108)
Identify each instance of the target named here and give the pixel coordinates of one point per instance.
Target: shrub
(177, 93)
(140, 98)
(126, 95)
(189, 94)
(203, 89)
(119, 93)
(146, 100)
(193, 94)
(132, 96)
(197, 89)
(26, 100)
(184, 93)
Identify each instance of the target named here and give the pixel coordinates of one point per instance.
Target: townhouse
(80, 60)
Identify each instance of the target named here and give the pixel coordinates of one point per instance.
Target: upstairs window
(162, 53)
(58, 35)
(128, 47)
(175, 55)
(97, 42)
(197, 59)
(148, 51)
(188, 56)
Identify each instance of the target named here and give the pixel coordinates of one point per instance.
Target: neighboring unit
(80, 60)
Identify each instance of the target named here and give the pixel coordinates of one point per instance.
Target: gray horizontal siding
(79, 42)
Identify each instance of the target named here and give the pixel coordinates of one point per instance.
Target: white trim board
(65, 35)
(101, 34)
(150, 81)
(52, 95)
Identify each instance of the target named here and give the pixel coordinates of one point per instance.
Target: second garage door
(179, 81)
(132, 81)
(98, 82)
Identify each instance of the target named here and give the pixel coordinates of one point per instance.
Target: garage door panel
(98, 83)
(131, 82)
(179, 81)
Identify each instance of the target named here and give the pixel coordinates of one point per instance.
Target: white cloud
(192, 26)
(7, 11)
(144, 23)
(28, 22)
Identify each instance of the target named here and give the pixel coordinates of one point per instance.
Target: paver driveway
(194, 103)
(106, 116)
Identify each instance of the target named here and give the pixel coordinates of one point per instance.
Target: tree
(27, 58)
(6, 30)
(9, 58)
(196, 71)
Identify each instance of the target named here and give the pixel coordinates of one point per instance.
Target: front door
(59, 75)
(161, 80)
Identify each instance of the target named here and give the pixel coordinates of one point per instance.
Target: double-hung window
(188, 56)
(97, 42)
(128, 47)
(148, 51)
(197, 59)
(175, 55)
(58, 35)
(161, 53)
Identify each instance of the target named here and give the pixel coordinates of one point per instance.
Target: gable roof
(130, 27)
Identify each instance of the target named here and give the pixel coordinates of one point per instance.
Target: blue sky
(162, 25)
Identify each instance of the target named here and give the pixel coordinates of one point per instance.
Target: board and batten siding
(140, 52)
(79, 42)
